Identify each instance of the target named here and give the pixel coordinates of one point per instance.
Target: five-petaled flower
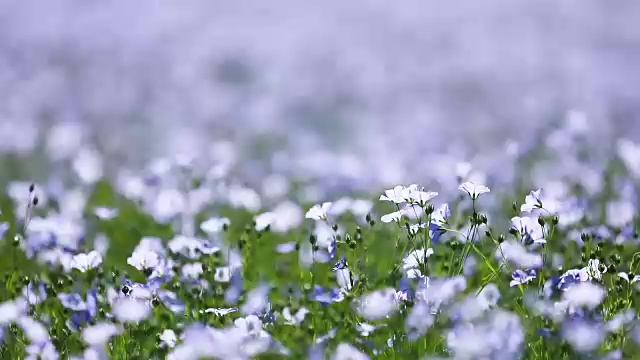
(474, 190)
(86, 262)
(395, 195)
(318, 212)
(532, 201)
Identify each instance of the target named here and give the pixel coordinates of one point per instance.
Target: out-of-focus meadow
(343, 180)
(331, 85)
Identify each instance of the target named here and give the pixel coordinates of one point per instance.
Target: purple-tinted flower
(171, 301)
(439, 219)
(521, 277)
(326, 297)
(286, 248)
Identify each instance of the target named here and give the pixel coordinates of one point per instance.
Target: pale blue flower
(215, 225)
(521, 277)
(286, 248)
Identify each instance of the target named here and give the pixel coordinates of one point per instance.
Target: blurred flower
(318, 212)
(168, 338)
(521, 277)
(129, 309)
(72, 301)
(327, 297)
(294, 319)
(286, 248)
(214, 225)
(143, 259)
(33, 295)
(582, 335)
(86, 262)
(33, 329)
(517, 254)
(377, 304)
(620, 213)
(4, 227)
(105, 213)
(413, 262)
(257, 300)
(99, 335)
(584, 294)
(192, 271)
(44, 350)
(346, 351)
(221, 311)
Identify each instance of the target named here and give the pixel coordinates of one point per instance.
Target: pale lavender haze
(362, 77)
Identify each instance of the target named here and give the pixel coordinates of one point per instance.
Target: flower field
(181, 260)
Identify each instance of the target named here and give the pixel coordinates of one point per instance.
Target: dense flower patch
(183, 264)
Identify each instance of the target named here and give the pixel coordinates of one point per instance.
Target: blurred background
(366, 91)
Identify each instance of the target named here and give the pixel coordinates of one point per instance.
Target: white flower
(318, 212)
(10, 310)
(411, 264)
(584, 294)
(257, 300)
(143, 259)
(222, 274)
(394, 216)
(43, 350)
(378, 304)
(219, 311)
(294, 319)
(626, 277)
(532, 201)
(529, 229)
(192, 271)
(105, 213)
(394, 195)
(168, 338)
(99, 334)
(33, 329)
(418, 196)
(86, 262)
(346, 351)
(265, 219)
(215, 225)
(474, 190)
(365, 329)
(595, 269)
(129, 309)
(251, 324)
